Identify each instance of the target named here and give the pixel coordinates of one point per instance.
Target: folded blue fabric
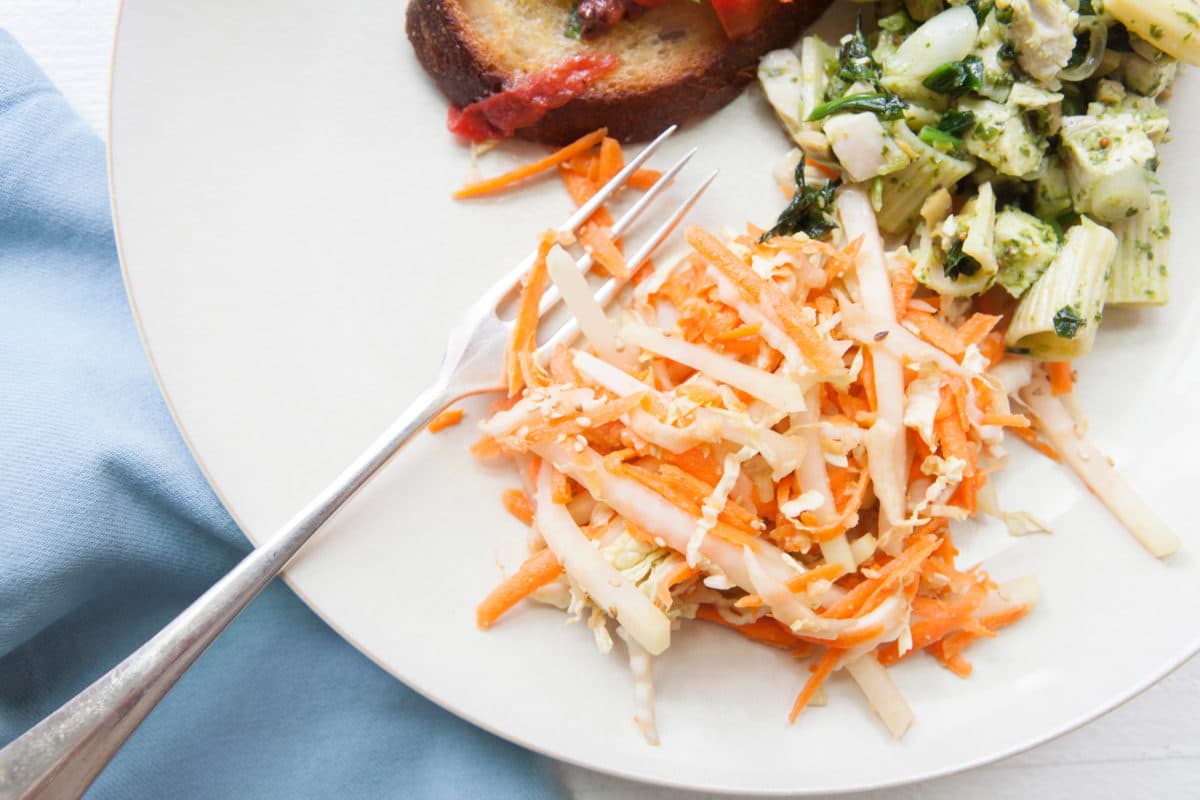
(107, 530)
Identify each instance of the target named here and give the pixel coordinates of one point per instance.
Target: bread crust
(444, 43)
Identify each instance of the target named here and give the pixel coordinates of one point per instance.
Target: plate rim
(1172, 663)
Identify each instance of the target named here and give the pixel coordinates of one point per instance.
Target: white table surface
(1148, 748)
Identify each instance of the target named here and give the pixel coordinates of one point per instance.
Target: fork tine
(502, 287)
(606, 191)
(608, 291)
(647, 198)
(552, 296)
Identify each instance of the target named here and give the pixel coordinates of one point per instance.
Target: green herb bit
(896, 23)
(1004, 15)
(956, 122)
(939, 139)
(981, 9)
(855, 62)
(1062, 223)
(883, 104)
(575, 24)
(809, 210)
(957, 263)
(956, 77)
(1067, 322)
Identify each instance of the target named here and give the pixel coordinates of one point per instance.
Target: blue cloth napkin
(107, 530)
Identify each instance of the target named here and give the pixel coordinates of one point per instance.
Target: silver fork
(61, 755)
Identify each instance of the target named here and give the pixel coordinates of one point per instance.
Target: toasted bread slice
(676, 63)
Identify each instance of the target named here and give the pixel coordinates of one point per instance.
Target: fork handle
(61, 755)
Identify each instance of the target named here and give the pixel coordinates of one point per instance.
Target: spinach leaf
(981, 9)
(808, 213)
(855, 62)
(883, 104)
(956, 77)
(958, 264)
(955, 122)
(940, 140)
(1067, 322)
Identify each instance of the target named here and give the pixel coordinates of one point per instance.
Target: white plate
(281, 176)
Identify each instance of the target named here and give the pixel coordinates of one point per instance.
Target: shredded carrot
(851, 638)
(517, 503)
(698, 462)
(1008, 420)
(948, 428)
(821, 671)
(611, 160)
(904, 283)
(825, 305)
(1041, 445)
(570, 427)
(446, 419)
(581, 190)
(948, 650)
(532, 467)
(854, 502)
(757, 289)
(863, 597)
(867, 377)
(1062, 380)
(825, 572)
(827, 171)
(739, 332)
(603, 249)
(935, 619)
(506, 180)
(798, 584)
(537, 571)
(952, 661)
(560, 490)
(643, 179)
(581, 163)
(992, 348)
(936, 332)
(644, 271)
(763, 630)
(578, 185)
(519, 365)
(731, 525)
(680, 573)
(486, 447)
(976, 327)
